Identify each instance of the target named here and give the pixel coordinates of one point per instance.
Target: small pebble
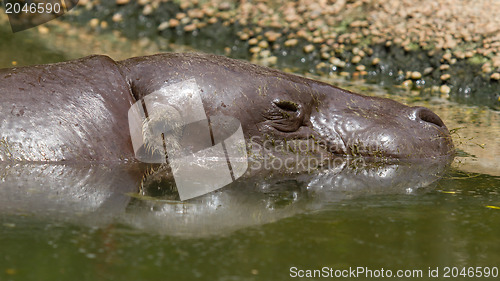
(272, 36)
(164, 25)
(122, 2)
(321, 65)
(190, 27)
(459, 54)
(224, 6)
(495, 76)
(360, 67)
(407, 83)
(263, 44)
(291, 42)
(428, 70)
(487, 69)
(255, 50)
(148, 10)
(43, 29)
(272, 60)
(117, 17)
(309, 48)
(444, 67)
(244, 37)
(180, 16)
(144, 42)
(447, 56)
(496, 60)
(185, 20)
(184, 5)
(265, 53)
(94, 23)
(173, 22)
(375, 61)
(195, 14)
(318, 40)
(356, 59)
(337, 62)
(253, 41)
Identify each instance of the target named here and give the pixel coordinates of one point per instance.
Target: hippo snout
(383, 128)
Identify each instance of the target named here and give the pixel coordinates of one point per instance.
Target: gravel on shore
(448, 48)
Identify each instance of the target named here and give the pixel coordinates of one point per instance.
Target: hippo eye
(287, 105)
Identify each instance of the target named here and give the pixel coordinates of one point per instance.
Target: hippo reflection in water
(75, 112)
(99, 194)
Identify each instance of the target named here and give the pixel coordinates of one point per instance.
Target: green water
(452, 223)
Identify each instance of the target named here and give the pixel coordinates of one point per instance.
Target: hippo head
(277, 107)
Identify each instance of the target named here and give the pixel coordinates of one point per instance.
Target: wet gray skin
(66, 151)
(77, 111)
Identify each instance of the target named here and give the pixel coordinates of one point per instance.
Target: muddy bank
(447, 49)
(476, 136)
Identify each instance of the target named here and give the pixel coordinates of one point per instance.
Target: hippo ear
(285, 115)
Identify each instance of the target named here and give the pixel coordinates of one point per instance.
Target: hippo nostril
(286, 105)
(426, 115)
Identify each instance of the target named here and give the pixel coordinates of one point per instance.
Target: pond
(74, 222)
